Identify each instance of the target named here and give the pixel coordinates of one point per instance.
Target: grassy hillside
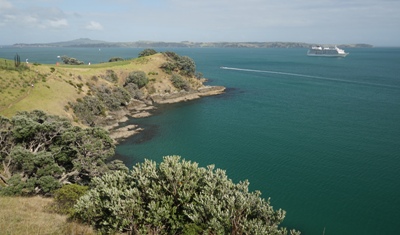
(21, 215)
(52, 87)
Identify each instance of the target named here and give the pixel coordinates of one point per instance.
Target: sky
(375, 22)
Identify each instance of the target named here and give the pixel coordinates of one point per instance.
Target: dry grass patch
(23, 215)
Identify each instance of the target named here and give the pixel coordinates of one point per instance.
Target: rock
(124, 132)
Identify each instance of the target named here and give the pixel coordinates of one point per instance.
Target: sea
(318, 136)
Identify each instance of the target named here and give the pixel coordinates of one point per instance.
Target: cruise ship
(326, 51)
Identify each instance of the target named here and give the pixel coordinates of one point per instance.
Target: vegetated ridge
(101, 94)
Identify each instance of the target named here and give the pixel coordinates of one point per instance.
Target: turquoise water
(320, 136)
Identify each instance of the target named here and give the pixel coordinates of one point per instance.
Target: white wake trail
(308, 76)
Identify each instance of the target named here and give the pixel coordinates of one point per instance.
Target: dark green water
(325, 148)
(320, 136)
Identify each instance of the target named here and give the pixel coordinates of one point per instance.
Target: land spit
(139, 109)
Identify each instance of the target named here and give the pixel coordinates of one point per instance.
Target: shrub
(111, 76)
(137, 77)
(199, 75)
(176, 197)
(179, 82)
(66, 197)
(134, 91)
(169, 67)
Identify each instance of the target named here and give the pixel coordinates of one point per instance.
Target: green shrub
(179, 82)
(66, 197)
(177, 197)
(137, 77)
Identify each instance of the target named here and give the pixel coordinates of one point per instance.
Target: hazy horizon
(375, 22)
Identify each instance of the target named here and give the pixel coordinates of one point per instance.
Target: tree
(41, 152)
(147, 52)
(177, 197)
(17, 60)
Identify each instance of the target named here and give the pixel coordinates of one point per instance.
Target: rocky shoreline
(139, 109)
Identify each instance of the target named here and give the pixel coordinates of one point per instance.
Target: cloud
(57, 23)
(95, 26)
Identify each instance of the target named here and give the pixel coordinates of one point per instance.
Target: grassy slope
(55, 86)
(19, 215)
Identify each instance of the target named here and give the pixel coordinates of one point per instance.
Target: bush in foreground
(176, 197)
(40, 152)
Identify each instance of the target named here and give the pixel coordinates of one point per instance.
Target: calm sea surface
(320, 136)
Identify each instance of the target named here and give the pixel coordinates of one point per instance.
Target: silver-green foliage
(176, 197)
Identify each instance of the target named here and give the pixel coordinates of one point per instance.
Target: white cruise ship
(326, 51)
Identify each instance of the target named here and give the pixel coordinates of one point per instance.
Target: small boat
(326, 51)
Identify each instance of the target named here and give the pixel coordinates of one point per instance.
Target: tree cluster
(112, 97)
(104, 98)
(71, 61)
(115, 59)
(39, 153)
(181, 64)
(89, 109)
(147, 52)
(176, 197)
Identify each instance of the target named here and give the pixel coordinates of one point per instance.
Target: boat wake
(310, 76)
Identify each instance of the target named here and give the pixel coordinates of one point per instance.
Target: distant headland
(86, 42)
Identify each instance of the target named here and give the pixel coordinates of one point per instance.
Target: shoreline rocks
(141, 109)
(187, 95)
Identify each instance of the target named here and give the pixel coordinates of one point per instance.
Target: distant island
(86, 42)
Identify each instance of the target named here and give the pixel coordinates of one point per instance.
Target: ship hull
(328, 55)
